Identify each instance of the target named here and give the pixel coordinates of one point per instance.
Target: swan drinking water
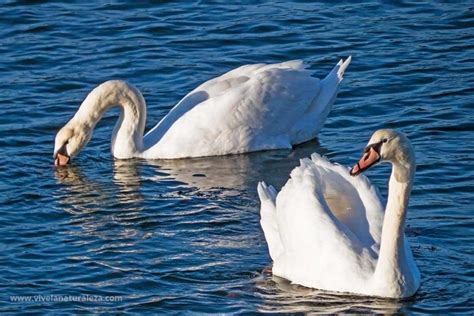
(251, 108)
(327, 229)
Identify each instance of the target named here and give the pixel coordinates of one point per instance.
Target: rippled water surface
(184, 235)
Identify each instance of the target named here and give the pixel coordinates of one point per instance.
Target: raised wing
(354, 201)
(316, 232)
(268, 219)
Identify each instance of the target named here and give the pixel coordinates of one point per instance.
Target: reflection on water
(78, 194)
(232, 172)
(94, 202)
(127, 179)
(236, 172)
(279, 295)
(79, 190)
(103, 213)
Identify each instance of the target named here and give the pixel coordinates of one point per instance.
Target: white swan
(251, 108)
(326, 229)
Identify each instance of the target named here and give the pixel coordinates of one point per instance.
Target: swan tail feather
(343, 67)
(267, 195)
(266, 192)
(338, 71)
(328, 93)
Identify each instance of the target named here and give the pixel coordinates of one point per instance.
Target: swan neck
(392, 252)
(127, 139)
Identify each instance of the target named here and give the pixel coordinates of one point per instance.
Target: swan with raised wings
(327, 229)
(251, 108)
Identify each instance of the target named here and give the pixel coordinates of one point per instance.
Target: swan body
(327, 229)
(251, 108)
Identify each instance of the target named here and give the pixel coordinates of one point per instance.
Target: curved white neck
(127, 139)
(392, 263)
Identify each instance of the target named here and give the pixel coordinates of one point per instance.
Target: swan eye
(384, 140)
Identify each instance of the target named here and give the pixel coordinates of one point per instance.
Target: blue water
(171, 236)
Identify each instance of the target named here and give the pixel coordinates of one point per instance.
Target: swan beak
(61, 160)
(370, 158)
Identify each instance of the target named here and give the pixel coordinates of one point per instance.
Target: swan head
(69, 142)
(386, 145)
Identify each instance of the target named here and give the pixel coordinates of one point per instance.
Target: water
(184, 235)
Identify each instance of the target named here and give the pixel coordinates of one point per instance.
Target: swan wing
(319, 250)
(354, 201)
(253, 107)
(268, 221)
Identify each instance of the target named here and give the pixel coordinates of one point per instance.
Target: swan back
(315, 230)
(235, 113)
(355, 202)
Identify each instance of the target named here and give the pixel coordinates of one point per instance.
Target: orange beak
(61, 160)
(371, 157)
